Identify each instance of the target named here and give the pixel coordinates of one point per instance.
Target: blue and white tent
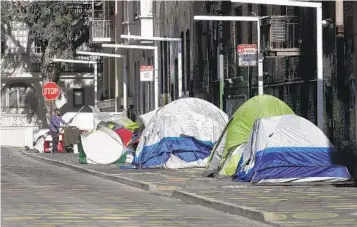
(288, 148)
(180, 135)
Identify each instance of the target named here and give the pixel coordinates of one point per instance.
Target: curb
(223, 206)
(134, 183)
(177, 194)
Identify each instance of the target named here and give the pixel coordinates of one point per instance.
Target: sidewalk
(322, 205)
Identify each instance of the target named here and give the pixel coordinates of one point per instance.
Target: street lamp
(125, 76)
(319, 54)
(95, 64)
(221, 57)
(156, 64)
(164, 39)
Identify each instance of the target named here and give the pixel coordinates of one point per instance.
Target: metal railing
(77, 68)
(18, 120)
(280, 32)
(101, 29)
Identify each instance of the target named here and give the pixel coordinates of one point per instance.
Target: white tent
(83, 121)
(180, 135)
(146, 118)
(102, 147)
(288, 148)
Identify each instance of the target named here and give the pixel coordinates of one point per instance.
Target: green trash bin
(82, 156)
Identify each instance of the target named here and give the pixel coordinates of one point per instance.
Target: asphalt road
(38, 194)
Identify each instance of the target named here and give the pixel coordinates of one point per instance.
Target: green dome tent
(225, 155)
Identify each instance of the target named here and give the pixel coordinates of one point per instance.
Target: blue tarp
(188, 149)
(291, 162)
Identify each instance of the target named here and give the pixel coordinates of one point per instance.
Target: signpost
(247, 57)
(50, 91)
(146, 73)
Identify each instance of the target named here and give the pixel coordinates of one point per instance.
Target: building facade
(289, 70)
(111, 20)
(22, 104)
(288, 41)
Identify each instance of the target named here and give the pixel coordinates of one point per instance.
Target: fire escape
(280, 35)
(101, 23)
(281, 45)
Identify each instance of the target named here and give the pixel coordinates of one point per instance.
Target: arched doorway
(19, 114)
(19, 98)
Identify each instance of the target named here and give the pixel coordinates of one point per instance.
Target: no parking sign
(146, 73)
(247, 55)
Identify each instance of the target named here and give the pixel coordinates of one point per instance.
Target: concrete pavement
(39, 194)
(281, 205)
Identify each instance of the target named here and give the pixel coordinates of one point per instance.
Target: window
(166, 63)
(175, 93)
(19, 99)
(125, 11)
(3, 46)
(37, 47)
(98, 11)
(198, 79)
(20, 35)
(168, 74)
(162, 67)
(263, 10)
(183, 61)
(239, 28)
(137, 85)
(188, 58)
(68, 67)
(78, 97)
(149, 5)
(35, 67)
(250, 26)
(136, 9)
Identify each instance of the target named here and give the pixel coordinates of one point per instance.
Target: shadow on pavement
(347, 158)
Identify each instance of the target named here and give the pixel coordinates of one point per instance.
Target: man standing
(55, 125)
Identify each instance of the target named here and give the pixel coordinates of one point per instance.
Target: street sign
(247, 55)
(146, 73)
(50, 91)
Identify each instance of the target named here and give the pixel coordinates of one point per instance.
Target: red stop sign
(50, 91)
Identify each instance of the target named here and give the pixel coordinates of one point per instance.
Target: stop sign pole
(84, 62)
(50, 91)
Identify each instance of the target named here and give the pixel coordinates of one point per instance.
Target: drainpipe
(355, 76)
(220, 64)
(339, 18)
(340, 33)
(340, 55)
